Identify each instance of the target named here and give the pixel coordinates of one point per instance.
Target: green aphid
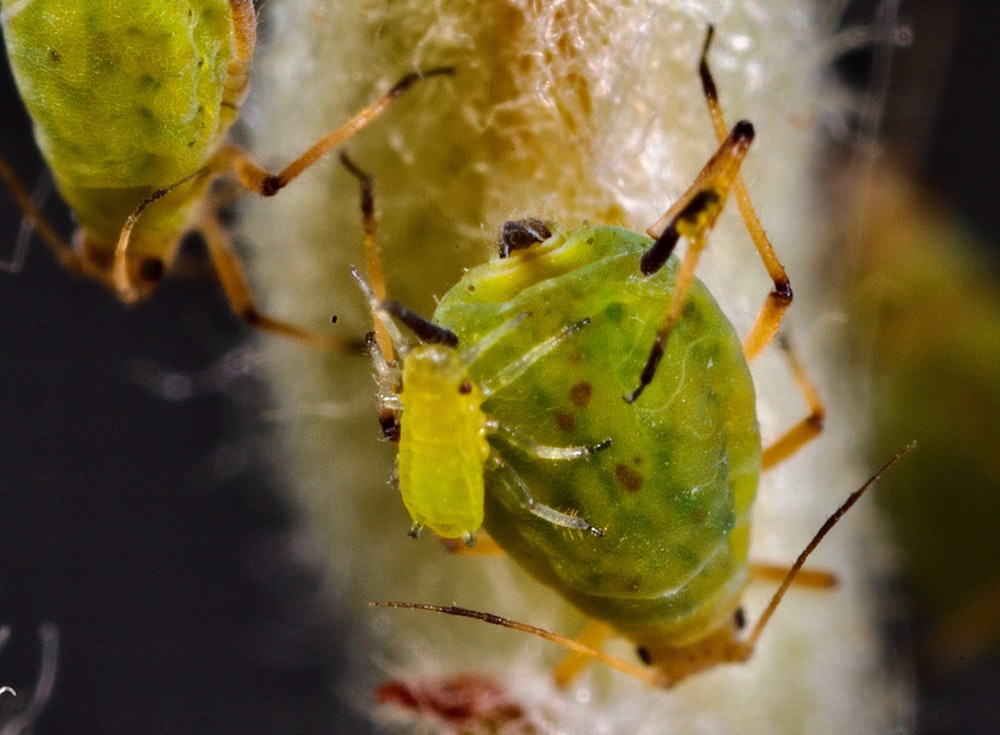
(131, 102)
(665, 483)
(590, 318)
(446, 458)
(674, 490)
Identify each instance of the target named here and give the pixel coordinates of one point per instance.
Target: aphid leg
(692, 217)
(594, 635)
(817, 579)
(43, 188)
(648, 675)
(528, 502)
(514, 370)
(809, 427)
(267, 184)
(379, 312)
(234, 283)
(715, 180)
(373, 254)
(56, 243)
(529, 446)
(771, 313)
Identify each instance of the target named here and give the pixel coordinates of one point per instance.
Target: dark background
(139, 525)
(146, 529)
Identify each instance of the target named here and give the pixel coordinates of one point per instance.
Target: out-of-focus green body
(441, 461)
(128, 96)
(674, 491)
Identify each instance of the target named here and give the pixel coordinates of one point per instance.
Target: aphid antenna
(751, 640)
(650, 676)
(119, 268)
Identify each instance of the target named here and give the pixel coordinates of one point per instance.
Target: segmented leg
(527, 501)
(772, 312)
(267, 184)
(237, 290)
(231, 158)
(806, 429)
(56, 242)
(694, 215)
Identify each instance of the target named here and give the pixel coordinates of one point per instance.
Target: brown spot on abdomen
(629, 479)
(565, 421)
(580, 394)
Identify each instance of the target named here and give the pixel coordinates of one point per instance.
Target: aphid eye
(643, 653)
(152, 270)
(740, 619)
(522, 234)
(465, 388)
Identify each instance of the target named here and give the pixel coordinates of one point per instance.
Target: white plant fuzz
(574, 110)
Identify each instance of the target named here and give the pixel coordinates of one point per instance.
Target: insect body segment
(675, 488)
(442, 465)
(444, 434)
(125, 98)
(131, 103)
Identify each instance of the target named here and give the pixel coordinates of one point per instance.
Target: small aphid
(674, 489)
(444, 449)
(131, 102)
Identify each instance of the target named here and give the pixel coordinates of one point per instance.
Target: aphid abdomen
(442, 446)
(674, 489)
(128, 97)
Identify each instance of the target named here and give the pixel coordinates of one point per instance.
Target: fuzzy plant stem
(571, 111)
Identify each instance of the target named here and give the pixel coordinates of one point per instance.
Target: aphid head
(439, 373)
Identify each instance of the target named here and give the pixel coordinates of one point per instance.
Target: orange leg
(694, 215)
(594, 635)
(267, 184)
(772, 312)
(57, 244)
(373, 255)
(231, 158)
(809, 427)
(234, 284)
(817, 579)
